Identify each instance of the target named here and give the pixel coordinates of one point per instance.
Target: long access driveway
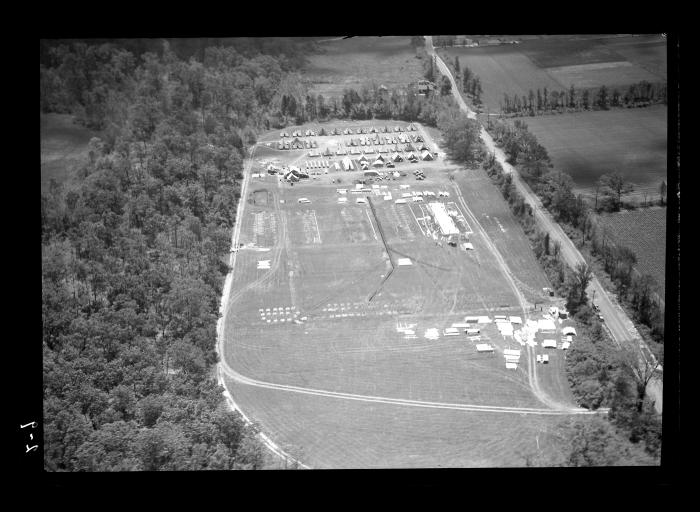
(618, 323)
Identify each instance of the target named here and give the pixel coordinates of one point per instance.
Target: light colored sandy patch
(590, 67)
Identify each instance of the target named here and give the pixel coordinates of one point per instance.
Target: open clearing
(64, 146)
(315, 304)
(389, 60)
(644, 232)
(587, 145)
(558, 62)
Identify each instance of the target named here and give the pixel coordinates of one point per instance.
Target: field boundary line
(370, 223)
(403, 401)
(223, 313)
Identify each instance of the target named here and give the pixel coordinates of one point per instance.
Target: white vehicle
(472, 331)
(304, 200)
(361, 200)
(417, 199)
(400, 201)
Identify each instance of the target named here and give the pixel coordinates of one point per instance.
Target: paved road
(619, 325)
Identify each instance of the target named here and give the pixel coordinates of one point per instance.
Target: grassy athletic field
(589, 144)
(64, 146)
(326, 259)
(388, 60)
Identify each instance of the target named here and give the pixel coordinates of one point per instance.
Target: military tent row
(317, 164)
(348, 131)
(297, 144)
(379, 141)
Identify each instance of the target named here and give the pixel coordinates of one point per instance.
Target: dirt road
(617, 322)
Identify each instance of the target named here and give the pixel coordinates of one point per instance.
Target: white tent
(425, 155)
(404, 262)
(566, 331)
(549, 343)
(396, 157)
(546, 325)
(347, 164)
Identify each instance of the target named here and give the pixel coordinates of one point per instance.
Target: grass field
(644, 232)
(308, 321)
(589, 144)
(330, 433)
(63, 147)
(389, 60)
(558, 62)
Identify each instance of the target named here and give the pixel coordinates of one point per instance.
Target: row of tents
(297, 144)
(379, 141)
(369, 151)
(348, 131)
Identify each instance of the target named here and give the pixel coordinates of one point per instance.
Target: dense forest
(133, 253)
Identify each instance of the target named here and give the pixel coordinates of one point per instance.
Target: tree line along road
(619, 325)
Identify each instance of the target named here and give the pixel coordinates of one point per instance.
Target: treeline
(369, 102)
(555, 189)
(133, 257)
(290, 52)
(599, 376)
(543, 101)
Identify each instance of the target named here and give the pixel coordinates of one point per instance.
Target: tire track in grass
(532, 370)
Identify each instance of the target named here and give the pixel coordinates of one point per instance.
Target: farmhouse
(445, 222)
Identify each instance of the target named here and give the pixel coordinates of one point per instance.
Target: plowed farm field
(644, 232)
(558, 62)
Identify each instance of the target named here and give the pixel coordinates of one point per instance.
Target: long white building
(447, 225)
